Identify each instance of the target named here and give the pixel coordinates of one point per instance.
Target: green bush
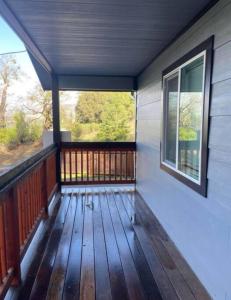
(12, 140)
(35, 132)
(76, 131)
(3, 136)
(21, 132)
(85, 132)
(21, 127)
(115, 123)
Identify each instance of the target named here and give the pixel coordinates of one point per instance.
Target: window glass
(171, 88)
(183, 116)
(190, 118)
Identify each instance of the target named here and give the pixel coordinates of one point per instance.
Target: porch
(103, 242)
(99, 242)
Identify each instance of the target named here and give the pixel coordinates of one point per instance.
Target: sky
(10, 42)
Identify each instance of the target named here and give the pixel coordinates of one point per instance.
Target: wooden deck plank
(166, 289)
(106, 244)
(118, 287)
(178, 281)
(55, 289)
(149, 285)
(31, 262)
(41, 283)
(135, 290)
(33, 265)
(150, 221)
(72, 281)
(87, 283)
(102, 280)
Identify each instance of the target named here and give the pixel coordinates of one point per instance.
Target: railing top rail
(8, 179)
(99, 145)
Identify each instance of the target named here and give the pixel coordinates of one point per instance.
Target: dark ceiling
(103, 37)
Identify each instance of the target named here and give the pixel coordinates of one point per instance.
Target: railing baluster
(104, 166)
(121, 153)
(115, 165)
(82, 165)
(64, 161)
(93, 166)
(12, 234)
(87, 166)
(45, 187)
(76, 170)
(2, 243)
(98, 165)
(70, 159)
(109, 165)
(99, 162)
(20, 215)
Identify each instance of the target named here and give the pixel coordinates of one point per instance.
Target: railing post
(45, 193)
(12, 229)
(56, 126)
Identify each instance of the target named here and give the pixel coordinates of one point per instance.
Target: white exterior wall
(200, 227)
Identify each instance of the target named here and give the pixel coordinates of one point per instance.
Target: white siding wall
(200, 227)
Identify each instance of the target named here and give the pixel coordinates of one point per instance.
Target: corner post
(56, 126)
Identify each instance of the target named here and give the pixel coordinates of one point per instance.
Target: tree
(9, 71)
(90, 106)
(112, 112)
(115, 125)
(40, 106)
(190, 116)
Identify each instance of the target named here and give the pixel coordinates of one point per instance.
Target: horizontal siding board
(222, 25)
(148, 133)
(221, 99)
(220, 193)
(222, 63)
(151, 93)
(151, 111)
(220, 128)
(219, 172)
(221, 156)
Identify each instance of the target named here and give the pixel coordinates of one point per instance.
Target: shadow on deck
(104, 243)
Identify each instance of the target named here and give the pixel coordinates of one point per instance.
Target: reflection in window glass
(183, 117)
(171, 87)
(190, 118)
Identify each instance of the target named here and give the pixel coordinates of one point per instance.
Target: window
(186, 93)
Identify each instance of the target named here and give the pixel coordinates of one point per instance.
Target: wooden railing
(98, 163)
(25, 193)
(26, 190)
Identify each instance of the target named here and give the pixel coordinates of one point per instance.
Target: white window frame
(165, 77)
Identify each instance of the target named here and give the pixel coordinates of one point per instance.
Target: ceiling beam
(97, 83)
(14, 23)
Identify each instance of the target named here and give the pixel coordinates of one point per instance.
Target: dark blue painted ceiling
(103, 37)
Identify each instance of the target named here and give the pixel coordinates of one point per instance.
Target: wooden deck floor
(106, 244)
